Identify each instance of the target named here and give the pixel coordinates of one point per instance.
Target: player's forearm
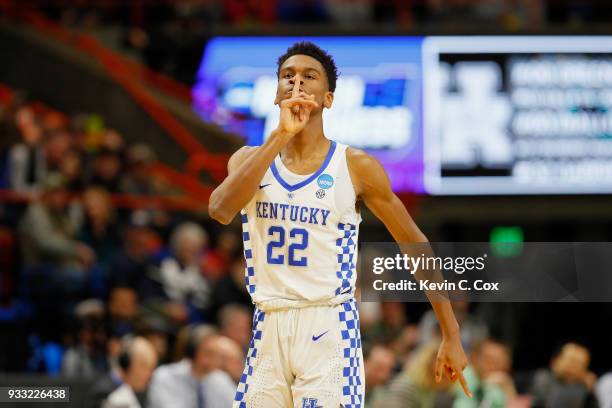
(240, 186)
(414, 243)
(446, 317)
(439, 299)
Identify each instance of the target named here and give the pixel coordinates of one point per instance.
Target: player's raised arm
(373, 187)
(248, 165)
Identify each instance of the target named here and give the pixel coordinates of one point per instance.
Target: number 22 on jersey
(298, 242)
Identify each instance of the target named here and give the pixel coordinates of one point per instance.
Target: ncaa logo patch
(320, 193)
(325, 181)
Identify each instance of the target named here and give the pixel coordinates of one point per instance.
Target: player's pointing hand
(451, 361)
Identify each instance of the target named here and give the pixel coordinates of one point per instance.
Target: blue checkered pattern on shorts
(346, 246)
(249, 272)
(249, 365)
(352, 396)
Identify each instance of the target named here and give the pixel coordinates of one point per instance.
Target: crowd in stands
(169, 36)
(149, 305)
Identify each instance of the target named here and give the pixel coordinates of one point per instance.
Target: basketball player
(297, 196)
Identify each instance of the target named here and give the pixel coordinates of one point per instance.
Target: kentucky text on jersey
(281, 211)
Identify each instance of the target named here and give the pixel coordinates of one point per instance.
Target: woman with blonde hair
(415, 386)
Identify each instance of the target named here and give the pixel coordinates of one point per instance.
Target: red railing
(130, 201)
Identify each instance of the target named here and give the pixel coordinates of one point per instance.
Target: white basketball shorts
(304, 358)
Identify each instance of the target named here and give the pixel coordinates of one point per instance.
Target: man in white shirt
(196, 381)
(137, 361)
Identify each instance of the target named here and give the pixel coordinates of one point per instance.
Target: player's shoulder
(365, 170)
(359, 160)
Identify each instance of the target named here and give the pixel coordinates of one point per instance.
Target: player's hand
(451, 361)
(295, 112)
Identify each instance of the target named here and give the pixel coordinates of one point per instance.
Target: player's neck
(309, 142)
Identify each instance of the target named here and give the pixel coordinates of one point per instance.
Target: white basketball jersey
(300, 235)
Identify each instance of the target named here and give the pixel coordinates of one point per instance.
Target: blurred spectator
(195, 381)
(393, 330)
(56, 267)
(26, 160)
(216, 262)
(393, 320)
(137, 361)
(416, 386)
(235, 323)
(488, 377)
(350, 13)
(9, 129)
(99, 229)
(604, 391)
(57, 145)
(180, 274)
(568, 383)
(156, 330)
(232, 358)
(302, 11)
(106, 171)
(473, 329)
(379, 362)
(231, 288)
(71, 169)
(138, 180)
(87, 358)
(48, 237)
(122, 310)
(248, 12)
(130, 266)
(113, 141)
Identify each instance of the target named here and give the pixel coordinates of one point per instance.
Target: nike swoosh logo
(264, 185)
(315, 338)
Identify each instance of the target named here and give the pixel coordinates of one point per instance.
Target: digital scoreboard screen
(445, 115)
(518, 115)
(377, 102)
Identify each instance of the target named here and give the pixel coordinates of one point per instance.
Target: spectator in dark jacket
(568, 382)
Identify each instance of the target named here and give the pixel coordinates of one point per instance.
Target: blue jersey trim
(303, 183)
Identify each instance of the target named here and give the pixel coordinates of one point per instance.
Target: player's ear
(328, 99)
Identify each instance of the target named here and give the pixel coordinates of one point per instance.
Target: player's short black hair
(312, 50)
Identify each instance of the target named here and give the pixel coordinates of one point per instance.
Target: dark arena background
(493, 119)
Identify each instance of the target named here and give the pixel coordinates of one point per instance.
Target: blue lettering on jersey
(295, 213)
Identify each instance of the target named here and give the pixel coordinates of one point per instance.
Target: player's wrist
(451, 333)
(281, 134)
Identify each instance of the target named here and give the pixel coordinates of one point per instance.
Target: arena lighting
(506, 241)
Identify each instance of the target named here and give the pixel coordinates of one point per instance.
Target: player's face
(309, 75)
